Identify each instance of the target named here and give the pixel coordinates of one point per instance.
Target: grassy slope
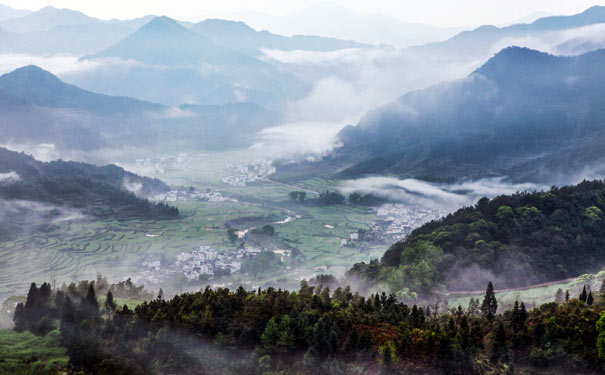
(24, 353)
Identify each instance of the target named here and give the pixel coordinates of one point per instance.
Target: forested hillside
(312, 331)
(517, 240)
(524, 114)
(96, 191)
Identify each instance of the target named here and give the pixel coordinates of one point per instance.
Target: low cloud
(298, 139)
(134, 187)
(9, 178)
(444, 197)
(348, 83)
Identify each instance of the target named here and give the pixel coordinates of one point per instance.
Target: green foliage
(601, 336)
(529, 234)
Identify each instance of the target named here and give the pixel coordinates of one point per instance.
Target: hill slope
(514, 241)
(38, 108)
(97, 191)
(525, 114)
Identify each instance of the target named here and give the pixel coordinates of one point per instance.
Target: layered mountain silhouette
(481, 40)
(36, 107)
(168, 63)
(241, 37)
(524, 114)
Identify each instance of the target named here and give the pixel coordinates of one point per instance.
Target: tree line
(313, 331)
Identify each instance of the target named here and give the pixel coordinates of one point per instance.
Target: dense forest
(97, 191)
(311, 331)
(516, 240)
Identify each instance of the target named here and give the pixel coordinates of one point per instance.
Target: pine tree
(589, 299)
(559, 296)
(352, 342)
(583, 295)
(285, 340)
(489, 307)
(567, 296)
(499, 348)
(110, 304)
(270, 335)
(387, 358)
(161, 294)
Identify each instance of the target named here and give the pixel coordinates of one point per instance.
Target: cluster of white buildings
(399, 220)
(206, 261)
(244, 174)
(183, 195)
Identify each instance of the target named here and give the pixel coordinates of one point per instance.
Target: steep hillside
(525, 114)
(514, 241)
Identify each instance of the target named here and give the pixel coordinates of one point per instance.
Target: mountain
(335, 21)
(7, 13)
(482, 40)
(97, 191)
(36, 108)
(524, 114)
(167, 63)
(164, 41)
(243, 38)
(513, 240)
(43, 89)
(45, 19)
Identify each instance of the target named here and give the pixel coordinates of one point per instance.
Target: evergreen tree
(161, 294)
(352, 342)
(110, 304)
(499, 348)
(387, 358)
(489, 307)
(583, 295)
(285, 339)
(567, 296)
(270, 335)
(559, 296)
(589, 299)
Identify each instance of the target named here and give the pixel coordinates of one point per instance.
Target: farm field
(77, 250)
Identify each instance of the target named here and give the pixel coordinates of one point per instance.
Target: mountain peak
(31, 75)
(506, 61)
(161, 23)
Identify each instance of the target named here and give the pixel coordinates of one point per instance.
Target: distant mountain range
(7, 13)
(165, 62)
(524, 114)
(333, 20)
(243, 38)
(38, 108)
(481, 41)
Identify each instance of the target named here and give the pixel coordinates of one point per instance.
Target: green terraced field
(78, 250)
(23, 353)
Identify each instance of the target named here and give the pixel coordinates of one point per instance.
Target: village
(189, 195)
(244, 174)
(199, 265)
(397, 221)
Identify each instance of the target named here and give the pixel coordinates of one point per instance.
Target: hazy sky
(436, 12)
